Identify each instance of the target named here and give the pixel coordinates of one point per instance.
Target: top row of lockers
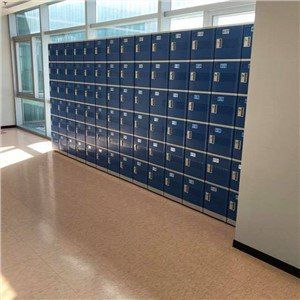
(233, 42)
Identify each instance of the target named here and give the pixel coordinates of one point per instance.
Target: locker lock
(75, 72)
(150, 151)
(194, 45)
(122, 49)
(186, 188)
(232, 205)
(74, 51)
(108, 50)
(84, 51)
(85, 93)
(173, 46)
(170, 103)
(136, 124)
(191, 106)
(108, 118)
(238, 144)
(96, 95)
(211, 139)
(96, 50)
(151, 127)
(244, 77)
(187, 162)
(96, 73)
(192, 76)
(137, 48)
(121, 164)
(247, 42)
(235, 175)
(136, 74)
(167, 181)
(122, 74)
(152, 102)
(172, 75)
(207, 196)
(135, 170)
(122, 98)
(241, 112)
(108, 73)
(136, 99)
(121, 121)
(216, 76)
(150, 175)
(189, 134)
(209, 168)
(219, 43)
(85, 73)
(168, 156)
(154, 46)
(169, 131)
(214, 108)
(153, 75)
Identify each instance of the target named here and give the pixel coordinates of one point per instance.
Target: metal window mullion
(163, 23)
(90, 17)
(33, 69)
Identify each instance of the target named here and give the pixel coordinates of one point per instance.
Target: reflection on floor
(38, 127)
(70, 231)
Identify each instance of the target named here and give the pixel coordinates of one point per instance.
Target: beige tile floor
(70, 231)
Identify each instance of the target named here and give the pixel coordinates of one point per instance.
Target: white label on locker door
(140, 117)
(156, 93)
(111, 41)
(240, 166)
(218, 130)
(139, 140)
(191, 181)
(157, 66)
(176, 66)
(112, 112)
(125, 158)
(140, 92)
(195, 126)
(125, 66)
(223, 66)
(193, 154)
(216, 160)
(199, 66)
(154, 168)
(138, 163)
(225, 31)
(158, 38)
(112, 89)
(196, 97)
(174, 122)
(125, 40)
(220, 99)
(155, 119)
(171, 175)
(155, 145)
(172, 149)
(178, 35)
(213, 189)
(100, 150)
(125, 90)
(125, 137)
(200, 33)
(141, 39)
(141, 66)
(125, 114)
(175, 95)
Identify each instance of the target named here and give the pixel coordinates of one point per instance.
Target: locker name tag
(225, 31)
(125, 40)
(141, 66)
(125, 90)
(195, 126)
(174, 122)
(140, 117)
(140, 92)
(218, 130)
(141, 39)
(192, 154)
(139, 140)
(178, 35)
(196, 97)
(125, 66)
(155, 144)
(157, 66)
(216, 160)
(240, 167)
(177, 66)
(223, 66)
(175, 95)
(138, 163)
(158, 38)
(154, 168)
(155, 119)
(172, 149)
(199, 66)
(191, 181)
(213, 189)
(125, 158)
(125, 137)
(220, 99)
(200, 33)
(156, 93)
(171, 175)
(125, 114)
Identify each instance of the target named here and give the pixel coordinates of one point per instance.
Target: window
(68, 37)
(28, 22)
(231, 19)
(194, 21)
(177, 4)
(38, 64)
(66, 14)
(108, 10)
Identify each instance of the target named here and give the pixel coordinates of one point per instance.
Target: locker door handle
(191, 106)
(84, 51)
(151, 127)
(170, 103)
(74, 51)
(150, 151)
(211, 139)
(108, 50)
(135, 170)
(108, 73)
(86, 113)
(247, 42)
(66, 71)
(97, 116)
(76, 130)
(238, 144)
(186, 188)
(122, 74)
(194, 45)
(189, 134)
(121, 143)
(219, 43)
(108, 118)
(232, 205)
(67, 110)
(67, 91)
(67, 127)
(58, 107)
(154, 46)
(173, 46)
(153, 75)
(108, 139)
(172, 75)
(96, 95)
(216, 76)
(152, 102)
(96, 50)
(85, 93)
(192, 76)
(167, 181)
(168, 156)
(137, 48)
(136, 99)
(57, 71)
(207, 196)
(57, 90)
(56, 52)
(122, 49)
(150, 175)
(235, 175)
(241, 112)
(76, 111)
(169, 131)
(96, 73)
(108, 160)
(108, 96)
(121, 121)
(136, 124)
(244, 77)
(122, 98)
(209, 168)
(85, 73)
(214, 108)
(75, 72)
(136, 74)
(135, 147)
(121, 164)
(187, 162)
(75, 92)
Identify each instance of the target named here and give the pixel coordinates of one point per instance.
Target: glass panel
(66, 14)
(118, 9)
(68, 37)
(231, 19)
(177, 4)
(24, 67)
(28, 22)
(38, 57)
(178, 23)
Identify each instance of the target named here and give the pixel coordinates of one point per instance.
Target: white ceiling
(12, 6)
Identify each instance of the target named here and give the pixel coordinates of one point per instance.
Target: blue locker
(54, 107)
(244, 77)
(126, 98)
(69, 71)
(156, 178)
(200, 76)
(62, 126)
(90, 153)
(113, 162)
(175, 132)
(69, 91)
(126, 144)
(101, 137)
(140, 148)
(126, 166)
(71, 110)
(238, 144)
(180, 45)
(62, 106)
(79, 92)
(78, 51)
(61, 71)
(101, 116)
(53, 71)
(193, 191)
(140, 172)
(235, 175)
(127, 48)
(226, 77)
(100, 50)
(229, 42)
(53, 89)
(113, 96)
(141, 100)
(173, 185)
(90, 134)
(240, 112)
(159, 75)
(247, 40)
(157, 128)
(69, 51)
(143, 48)
(54, 123)
(126, 122)
(113, 49)
(61, 52)
(80, 147)
(203, 43)
(71, 128)
(142, 74)
(160, 46)
(53, 52)
(222, 110)
(194, 164)
(215, 201)
(174, 158)
(196, 136)
(100, 72)
(113, 117)
(90, 114)
(218, 170)
(127, 74)
(100, 95)
(220, 140)
(72, 147)
(113, 73)
(177, 104)
(113, 140)
(141, 125)
(63, 143)
(101, 158)
(89, 72)
(198, 107)
(158, 102)
(157, 153)
(178, 76)
(80, 112)
(55, 140)
(79, 72)
(89, 51)
(61, 89)
(232, 207)
(89, 94)
(80, 132)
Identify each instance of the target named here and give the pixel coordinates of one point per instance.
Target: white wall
(7, 90)
(269, 201)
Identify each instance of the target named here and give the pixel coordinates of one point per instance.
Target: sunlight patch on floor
(41, 147)
(2, 149)
(7, 292)
(12, 157)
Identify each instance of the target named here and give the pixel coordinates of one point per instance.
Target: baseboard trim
(8, 126)
(267, 258)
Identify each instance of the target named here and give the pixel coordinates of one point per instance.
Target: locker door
(215, 201)
(198, 107)
(180, 45)
(127, 49)
(80, 112)
(53, 71)
(140, 172)
(71, 108)
(247, 40)
(200, 76)
(78, 51)
(90, 154)
(196, 136)
(159, 75)
(62, 108)
(89, 51)
(127, 74)
(174, 158)
(158, 102)
(177, 104)
(226, 77)
(218, 170)
(141, 125)
(101, 116)
(235, 175)
(238, 144)
(113, 96)
(173, 186)
(193, 191)
(101, 137)
(54, 107)
(80, 132)
(222, 110)
(160, 46)
(126, 98)
(113, 121)
(141, 100)
(61, 88)
(90, 134)
(113, 73)
(244, 77)
(157, 128)
(142, 48)
(203, 44)
(156, 178)
(100, 73)
(194, 164)
(61, 71)
(240, 112)
(220, 140)
(80, 147)
(79, 72)
(89, 94)
(53, 52)
(126, 166)
(100, 95)
(140, 148)
(69, 71)
(126, 144)
(142, 74)
(89, 72)
(113, 49)
(54, 124)
(62, 126)
(53, 89)
(229, 42)
(157, 153)
(178, 76)
(63, 143)
(72, 147)
(113, 162)
(113, 140)
(175, 132)
(79, 92)
(101, 158)
(232, 207)
(126, 122)
(69, 91)
(100, 50)
(69, 51)
(71, 127)
(61, 52)
(90, 114)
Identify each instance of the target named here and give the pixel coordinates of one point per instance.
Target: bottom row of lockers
(214, 200)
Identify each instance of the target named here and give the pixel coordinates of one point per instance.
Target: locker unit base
(125, 178)
(143, 185)
(101, 168)
(231, 222)
(72, 156)
(156, 191)
(174, 198)
(193, 206)
(215, 215)
(113, 173)
(91, 164)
